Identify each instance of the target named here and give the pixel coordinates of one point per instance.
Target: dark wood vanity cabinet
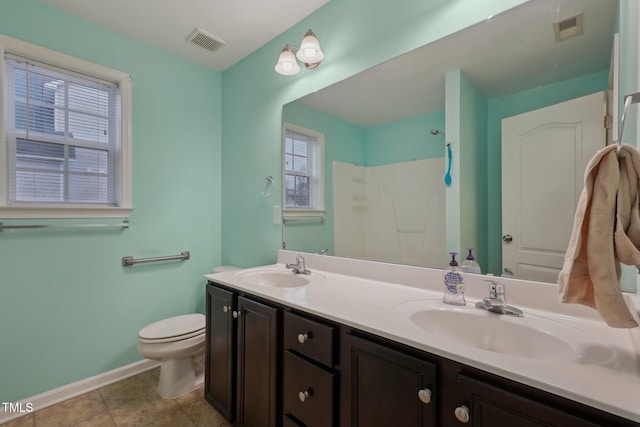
(385, 387)
(258, 364)
(242, 360)
(268, 365)
(492, 406)
(309, 386)
(220, 352)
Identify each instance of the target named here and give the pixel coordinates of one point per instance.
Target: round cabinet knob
(304, 395)
(424, 395)
(507, 238)
(235, 314)
(302, 338)
(462, 414)
(225, 308)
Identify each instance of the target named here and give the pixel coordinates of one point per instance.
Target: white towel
(606, 231)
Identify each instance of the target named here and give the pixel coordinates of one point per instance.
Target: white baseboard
(60, 394)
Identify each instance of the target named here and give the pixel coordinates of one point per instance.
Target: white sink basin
(274, 278)
(529, 337)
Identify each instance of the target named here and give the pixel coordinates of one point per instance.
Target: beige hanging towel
(606, 231)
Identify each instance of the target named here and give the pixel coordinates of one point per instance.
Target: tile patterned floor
(131, 402)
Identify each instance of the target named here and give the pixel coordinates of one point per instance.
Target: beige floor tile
(125, 391)
(155, 372)
(102, 420)
(143, 410)
(72, 411)
(199, 410)
(24, 421)
(131, 402)
(174, 419)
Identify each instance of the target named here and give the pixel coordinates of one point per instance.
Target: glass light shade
(310, 52)
(287, 64)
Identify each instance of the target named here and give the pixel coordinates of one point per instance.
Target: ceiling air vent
(205, 40)
(568, 28)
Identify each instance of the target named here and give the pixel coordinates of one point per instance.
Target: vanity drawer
(308, 392)
(308, 337)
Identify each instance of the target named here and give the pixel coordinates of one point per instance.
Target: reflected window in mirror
(303, 169)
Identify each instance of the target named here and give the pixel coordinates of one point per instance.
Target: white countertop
(380, 298)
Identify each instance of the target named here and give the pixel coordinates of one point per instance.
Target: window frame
(76, 65)
(316, 173)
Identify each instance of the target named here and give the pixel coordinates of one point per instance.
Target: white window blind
(62, 134)
(303, 186)
(297, 152)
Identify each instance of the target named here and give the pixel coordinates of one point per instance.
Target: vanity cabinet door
(385, 387)
(220, 355)
(258, 373)
(489, 406)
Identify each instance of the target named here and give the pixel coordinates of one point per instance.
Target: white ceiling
(510, 53)
(245, 25)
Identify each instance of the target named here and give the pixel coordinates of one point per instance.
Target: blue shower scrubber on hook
(447, 176)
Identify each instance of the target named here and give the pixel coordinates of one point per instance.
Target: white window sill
(80, 211)
(303, 212)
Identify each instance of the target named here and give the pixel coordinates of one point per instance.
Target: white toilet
(178, 342)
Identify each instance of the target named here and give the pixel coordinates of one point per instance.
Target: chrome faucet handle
(299, 267)
(496, 302)
(496, 290)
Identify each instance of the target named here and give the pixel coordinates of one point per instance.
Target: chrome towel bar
(123, 224)
(633, 98)
(303, 219)
(129, 260)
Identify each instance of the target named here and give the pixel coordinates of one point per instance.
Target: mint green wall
(453, 126)
(405, 140)
(511, 105)
(629, 65)
(68, 309)
(473, 164)
(466, 114)
(253, 94)
(628, 17)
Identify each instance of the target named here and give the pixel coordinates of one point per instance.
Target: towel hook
(268, 186)
(634, 98)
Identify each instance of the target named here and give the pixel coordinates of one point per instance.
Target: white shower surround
(393, 213)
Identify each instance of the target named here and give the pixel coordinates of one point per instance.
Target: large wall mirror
(388, 132)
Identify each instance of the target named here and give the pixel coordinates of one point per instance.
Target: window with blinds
(297, 170)
(62, 133)
(303, 170)
(65, 135)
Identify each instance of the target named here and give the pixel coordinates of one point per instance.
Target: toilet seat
(173, 329)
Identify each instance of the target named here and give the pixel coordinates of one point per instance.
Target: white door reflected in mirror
(544, 155)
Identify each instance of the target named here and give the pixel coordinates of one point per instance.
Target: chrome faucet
(496, 302)
(298, 267)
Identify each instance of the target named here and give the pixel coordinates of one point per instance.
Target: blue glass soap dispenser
(453, 279)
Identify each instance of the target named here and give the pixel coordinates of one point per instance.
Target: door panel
(220, 352)
(544, 156)
(258, 343)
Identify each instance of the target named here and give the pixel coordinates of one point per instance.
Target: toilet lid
(174, 327)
